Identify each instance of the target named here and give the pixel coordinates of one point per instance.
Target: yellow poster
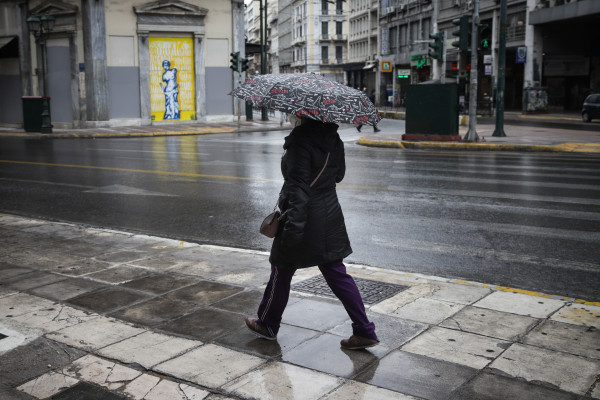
(172, 79)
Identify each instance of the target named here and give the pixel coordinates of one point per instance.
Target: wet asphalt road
(524, 220)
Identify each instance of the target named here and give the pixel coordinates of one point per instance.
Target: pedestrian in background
(312, 231)
(375, 128)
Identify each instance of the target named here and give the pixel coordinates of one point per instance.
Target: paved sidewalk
(89, 313)
(519, 137)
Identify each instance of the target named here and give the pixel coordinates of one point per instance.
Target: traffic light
(436, 47)
(235, 61)
(485, 37)
(244, 64)
(462, 33)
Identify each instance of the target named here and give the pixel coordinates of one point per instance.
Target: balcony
(325, 37)
(298, 63)
(299, 40)
(340, 37)
(324, 61)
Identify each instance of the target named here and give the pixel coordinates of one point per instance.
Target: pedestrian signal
(485, 37)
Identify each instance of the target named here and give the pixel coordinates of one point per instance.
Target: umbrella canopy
(309, 96)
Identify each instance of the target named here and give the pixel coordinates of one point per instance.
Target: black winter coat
(313, 230)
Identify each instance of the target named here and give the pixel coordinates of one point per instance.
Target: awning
(9, 46)
(4, 40)
(369, 65)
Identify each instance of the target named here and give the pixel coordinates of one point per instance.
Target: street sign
(521, 55)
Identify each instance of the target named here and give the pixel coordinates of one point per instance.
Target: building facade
(122, 62)
(548, 48)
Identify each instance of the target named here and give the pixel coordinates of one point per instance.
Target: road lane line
(141, 171)
(186, 174)
(498, 181)
(495, 195)
(478, 252)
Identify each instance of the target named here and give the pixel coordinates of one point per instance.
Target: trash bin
(32, 113)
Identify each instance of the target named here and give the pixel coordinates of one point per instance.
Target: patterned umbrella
(309, 96)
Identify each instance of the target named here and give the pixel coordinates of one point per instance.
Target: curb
(557, 148)
(96, 135)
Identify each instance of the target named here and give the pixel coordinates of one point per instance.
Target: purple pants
(342, 285)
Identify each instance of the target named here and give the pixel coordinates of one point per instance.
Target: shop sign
(521, 55)
(488, 69)
(419, 61)
(386, 66)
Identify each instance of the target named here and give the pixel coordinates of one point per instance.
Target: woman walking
(312, 230)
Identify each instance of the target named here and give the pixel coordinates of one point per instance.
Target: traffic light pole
(499, 130)
(471, 135)
(263, 51)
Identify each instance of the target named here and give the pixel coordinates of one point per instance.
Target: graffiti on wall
(172, 79)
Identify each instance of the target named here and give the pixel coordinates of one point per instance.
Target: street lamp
(41, 28)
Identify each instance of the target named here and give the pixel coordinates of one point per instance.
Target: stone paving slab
(148, 349)
(358, 390)
(107, 299)
(429, 311)
(288, 338)
(567, 372)
(344, 363)
(283, 381)
(417, 375)
(491, 323)
(95, 334)
(32, 280)
(516, 303)
(34, 359)
(462, 348)
(155, 311)
(488, 386)
(210, 365)
(54, 318)
(22, 303)
(579, 314)
(48, 385)
(66, 289)
(572, 339)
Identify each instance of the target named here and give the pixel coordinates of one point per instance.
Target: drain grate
(372, 292)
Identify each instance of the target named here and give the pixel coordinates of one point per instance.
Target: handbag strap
(322, 169)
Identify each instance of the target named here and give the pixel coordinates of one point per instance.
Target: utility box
(432, 112)
(249, 111)
(32, 113)
(535, 100)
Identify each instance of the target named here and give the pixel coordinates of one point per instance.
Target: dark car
(591, 108)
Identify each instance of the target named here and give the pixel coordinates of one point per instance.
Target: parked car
(591, 108)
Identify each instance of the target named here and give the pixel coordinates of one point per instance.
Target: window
(324, 52)
(339, 53)
(393, 38)
(324, 7)
(339, 27)
(339, 7)
(325, 29)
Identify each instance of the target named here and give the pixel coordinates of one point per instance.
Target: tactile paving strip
(372, 292)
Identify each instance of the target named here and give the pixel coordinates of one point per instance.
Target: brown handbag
(270, 224)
